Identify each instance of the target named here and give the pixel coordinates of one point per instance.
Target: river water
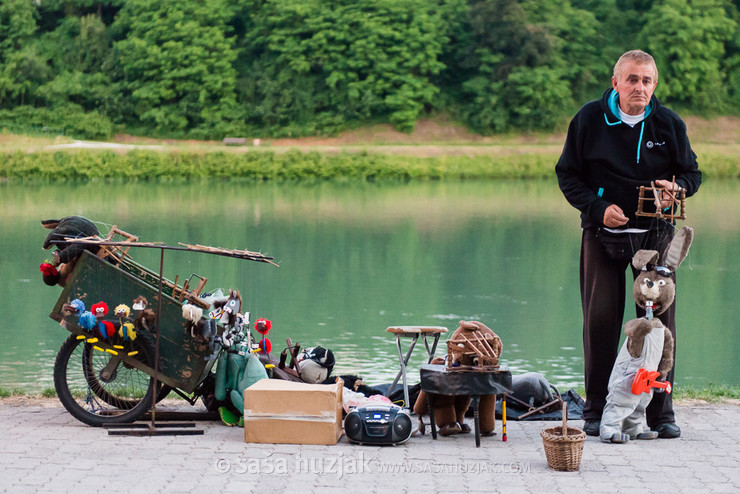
(356, 258)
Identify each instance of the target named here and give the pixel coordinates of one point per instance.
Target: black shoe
(669, 430)
(591, 427)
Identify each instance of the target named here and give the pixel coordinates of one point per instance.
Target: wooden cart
(109, 380)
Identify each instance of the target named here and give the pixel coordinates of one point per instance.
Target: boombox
(378, 424)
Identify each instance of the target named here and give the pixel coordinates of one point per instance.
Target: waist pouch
(622, 246)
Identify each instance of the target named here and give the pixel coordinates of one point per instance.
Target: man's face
(635, 85)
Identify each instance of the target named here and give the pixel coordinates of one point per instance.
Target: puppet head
(100, 309)
(122, 311)
(655, 285)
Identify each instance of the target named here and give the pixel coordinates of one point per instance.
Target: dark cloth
(72, 227)
(603, 287)
(605, 161)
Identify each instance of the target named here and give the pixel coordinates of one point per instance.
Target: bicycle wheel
(98, 388)
(98, 375)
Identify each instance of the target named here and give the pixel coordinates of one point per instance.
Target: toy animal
(649, 344)
(66, 255)
(481, 348)
(228, 309)
(315, 364)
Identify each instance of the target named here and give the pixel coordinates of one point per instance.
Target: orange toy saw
(645, 379)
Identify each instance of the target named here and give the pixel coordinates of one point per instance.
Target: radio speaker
(378, 425)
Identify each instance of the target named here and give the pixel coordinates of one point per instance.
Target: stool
(436, 379)
(413, 332)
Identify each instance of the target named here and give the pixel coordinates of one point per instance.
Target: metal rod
(156, 346)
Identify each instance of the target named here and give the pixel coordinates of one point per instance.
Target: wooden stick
(480, 354)
(485, 348)
(493, 352)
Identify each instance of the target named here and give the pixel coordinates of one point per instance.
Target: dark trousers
(603, 288)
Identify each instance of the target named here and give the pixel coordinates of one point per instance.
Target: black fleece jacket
(605, 161)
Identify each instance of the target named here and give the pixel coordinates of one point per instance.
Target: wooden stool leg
(432, 424)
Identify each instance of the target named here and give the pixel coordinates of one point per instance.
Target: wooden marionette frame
(652, 194)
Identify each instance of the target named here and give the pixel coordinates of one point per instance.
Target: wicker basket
(563, 445)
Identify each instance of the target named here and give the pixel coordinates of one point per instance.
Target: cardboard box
(285, 412)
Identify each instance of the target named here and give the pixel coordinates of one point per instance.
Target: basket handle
(565, 419)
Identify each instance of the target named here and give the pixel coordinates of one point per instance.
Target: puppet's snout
(649, 289)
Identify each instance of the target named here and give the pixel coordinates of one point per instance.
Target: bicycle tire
(126, 394)
(122, 402)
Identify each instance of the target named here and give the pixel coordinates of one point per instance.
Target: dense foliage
(187, 68)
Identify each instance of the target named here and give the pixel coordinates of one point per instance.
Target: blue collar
(614, 105)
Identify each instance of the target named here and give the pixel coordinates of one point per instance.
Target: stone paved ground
(44, 449)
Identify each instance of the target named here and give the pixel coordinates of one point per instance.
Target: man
(615, 145)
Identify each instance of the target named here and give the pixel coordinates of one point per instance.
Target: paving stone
(45, 449)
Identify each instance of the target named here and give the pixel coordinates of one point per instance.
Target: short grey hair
(637, 56)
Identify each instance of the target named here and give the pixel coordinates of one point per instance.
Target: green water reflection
(356, 258)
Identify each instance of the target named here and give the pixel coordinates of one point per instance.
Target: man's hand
(665, 198)
(614, 217)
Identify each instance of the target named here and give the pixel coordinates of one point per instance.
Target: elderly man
(614, 145)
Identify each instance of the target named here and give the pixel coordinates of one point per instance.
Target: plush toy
(315, 364)
(193, 314)
(263, 327)
(649, 344)
(449, 410)
(66, 255)
(227, 310)
(236, 371)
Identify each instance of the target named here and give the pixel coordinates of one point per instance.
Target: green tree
(731, 62)
(687, 39)
(318, 66)
(176, 64)
(515, 81)
(17, 25)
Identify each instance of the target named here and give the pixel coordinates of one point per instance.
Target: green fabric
(253, 372)
(234, 374)
(228, 417)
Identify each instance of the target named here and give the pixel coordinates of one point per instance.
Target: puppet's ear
(644, 257)
(50, 224)
(679, 248)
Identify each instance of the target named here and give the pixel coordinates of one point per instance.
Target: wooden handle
(565, 419)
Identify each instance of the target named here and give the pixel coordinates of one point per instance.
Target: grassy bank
(713, 393)
(266, 165)
(298, 165)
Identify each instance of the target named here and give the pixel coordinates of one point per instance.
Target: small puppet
(193, 314)
(100, 309)
(263, 327)
(76, 307)
(105, 328)
(472, 344)
(649, 344)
